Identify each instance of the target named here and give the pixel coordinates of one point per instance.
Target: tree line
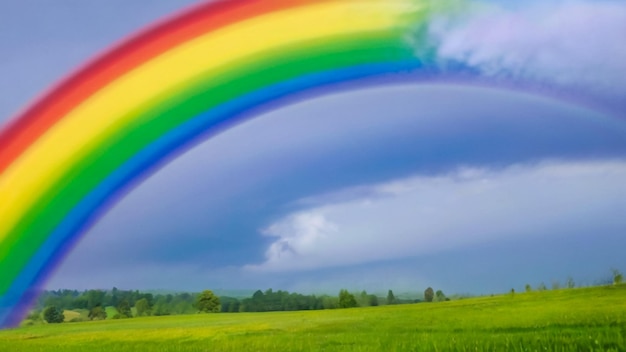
(121, 304)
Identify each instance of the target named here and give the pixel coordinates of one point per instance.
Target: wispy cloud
(565, 44)
(297, 234)
(426, 214)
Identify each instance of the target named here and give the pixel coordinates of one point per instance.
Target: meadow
(582, 319)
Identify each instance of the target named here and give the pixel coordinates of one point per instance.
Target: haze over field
(465, 186)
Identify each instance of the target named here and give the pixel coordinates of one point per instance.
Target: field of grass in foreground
(585, 319)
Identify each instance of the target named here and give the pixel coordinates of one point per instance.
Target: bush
(97, 313)
(34, 315)
(53, 315)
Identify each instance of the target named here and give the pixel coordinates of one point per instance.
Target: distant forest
(116, 303)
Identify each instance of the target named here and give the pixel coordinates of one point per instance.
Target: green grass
(76, 315)
(111, 311)
(586, 319)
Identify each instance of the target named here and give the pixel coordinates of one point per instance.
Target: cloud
(427, 214)
(297, 234)
(565, 44)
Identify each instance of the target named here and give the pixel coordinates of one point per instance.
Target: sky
(469, 186)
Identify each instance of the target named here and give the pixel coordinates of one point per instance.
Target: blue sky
(470, 187)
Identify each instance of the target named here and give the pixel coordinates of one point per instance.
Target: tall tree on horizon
(346, 299)
(208, 302)
(429, 294)
(391, 299)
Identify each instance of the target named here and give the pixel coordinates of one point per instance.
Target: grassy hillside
(586, 319)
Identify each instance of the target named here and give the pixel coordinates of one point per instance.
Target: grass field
(585, 319)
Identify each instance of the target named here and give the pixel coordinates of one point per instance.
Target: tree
(123, 310)
(617, 277)
(95, 298)
(53, 315)
(363, 299)
(34, 316)
(440, 296)
(208, 302)
(367, 300)
(570, 282)
(79, 302)
(97, 313)
(161, 307)
(142, 307)
(429, 294)
(330, 302)
(528, 288)
(346, 299)
(391, 299)
(232, 307)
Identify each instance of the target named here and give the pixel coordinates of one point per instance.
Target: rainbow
(70, 154)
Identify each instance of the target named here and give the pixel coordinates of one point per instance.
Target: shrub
(53, 315)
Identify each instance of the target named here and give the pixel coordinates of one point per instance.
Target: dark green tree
(373, 300)
(208, 302)
(391, 299)
(123, 310)
(232, 306)
(95, 298)
(429, 294)
(346, 299)
(97, 313)
(79, 302)
(53, 315)
(115, 300)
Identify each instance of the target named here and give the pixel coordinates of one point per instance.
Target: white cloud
(426, 214)
(297, 234)
(567, 44)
